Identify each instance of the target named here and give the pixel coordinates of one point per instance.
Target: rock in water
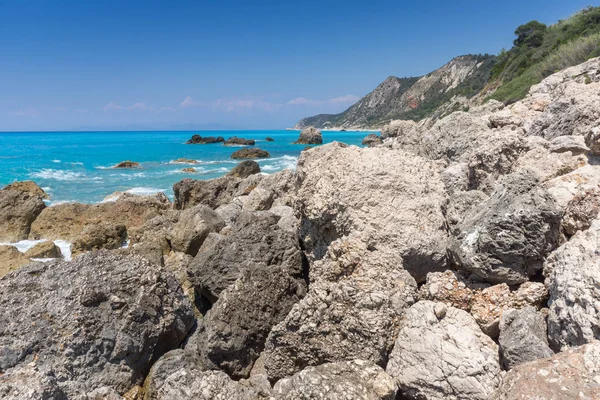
(573, 278)
(45, 249)
(127, 164)
(523, 337)
(507, 237)
(20, 204)
(399, 205)
(197, 139)
(245, 169)
(572, 374)
(371, 140)
(269, 139)
(236, 141)
(356, 379)
(100, 320)
(442, 354)
(310, 135)
(250, 153)
(11, 259)
(190, 170)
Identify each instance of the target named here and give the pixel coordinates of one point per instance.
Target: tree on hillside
(531, 34)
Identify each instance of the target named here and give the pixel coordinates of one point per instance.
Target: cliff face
(410, 98)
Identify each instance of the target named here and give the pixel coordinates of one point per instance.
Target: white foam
(58, 175)
(76, 163)
(56, 161)
(43, 259)
(65, 248)
(57, 203)
(144, 191)
(24, 245)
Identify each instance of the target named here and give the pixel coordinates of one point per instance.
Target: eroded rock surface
(20, 204)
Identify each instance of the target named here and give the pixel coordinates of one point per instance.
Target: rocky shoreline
(456, 258)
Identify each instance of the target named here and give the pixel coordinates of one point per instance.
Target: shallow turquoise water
(75, 166)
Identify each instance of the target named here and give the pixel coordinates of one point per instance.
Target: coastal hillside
(539, 51)
(411, 98)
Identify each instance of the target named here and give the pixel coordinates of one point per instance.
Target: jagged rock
(127, 164)
(197, 139)
(105, 327)
(250, 153)
(356, 379)
(574, 144)
(180, 375)
(255, 240)
(400, 208)
(461, 204)
(235, 329)
(523, 337)
(272, 191)
(352, 310)
(441, 353)
(504, 118)
(564, 188)
(397, 128)
(192, 228)
(288, 220)
(214, 192)
(20, 204)
(581, 211)
(456, 178)
(66, 221)
(371, 140)
(572, 374)
(29, 383)
(229, 212)
(11, 259)
(310, 135)
(236, 141)
(573, 276)
(245, 169)
(45, 249)
(507, 237)
(99, 236)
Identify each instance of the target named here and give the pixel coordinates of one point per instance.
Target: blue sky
(125, 64)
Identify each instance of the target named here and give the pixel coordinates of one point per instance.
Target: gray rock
(245, 169)
(573, 277)
(105, 327)
(523, 337)
(19, 207)
(229, 212)
(255, 240)
(29, 383)
(99, 236)
(397, 128)
(310, 135)
(572, 374)
(507, 237)
(581, 211)
(357, 380)
(441, 353)
(574, 144)
(273, 190)
(254, 152)
(371, 140)
(212, 193)
(192, 228)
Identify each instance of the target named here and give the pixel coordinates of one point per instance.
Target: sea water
(77, 166)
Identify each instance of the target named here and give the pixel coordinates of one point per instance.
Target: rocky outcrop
(20, 204)
(192, 228)
(401, 210)
(214, 192)
(116, 316)
(273, 190)
(46, 249)
(66, 221)
(441, 353)
(269, 139)
(523, 337)
(127, 164)
(250, 153)
(197, 139)
(99, 236)
(189, 170)
(11, 259)
(371, 140)
(573, 277)
(310, 135)
(572, 374)
(581, 211)
(343, 380)
(236, 141)
(506, 238)
(244, 169)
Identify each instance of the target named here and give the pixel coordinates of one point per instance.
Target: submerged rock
(250, 153)
(105, 327)
(310, 135)
(197, 139)
(185, 161)
(20, 205)
(269, 139)
(190, 170)
(127, 164)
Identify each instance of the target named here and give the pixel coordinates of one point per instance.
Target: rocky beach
(457, 257)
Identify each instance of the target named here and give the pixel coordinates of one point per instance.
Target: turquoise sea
(76, 166)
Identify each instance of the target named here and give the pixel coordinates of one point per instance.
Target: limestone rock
(185, 161)
(573, 276)
(507, 237)
(397, 128)
(355, 379)
(574, 144)
(273, 190)
(564, 188)
(127, 164)
(192, 228)
(236, 141)
(11, 259)
(99, 236)
(523, 337)
(400, 208)
(245, 169)
(251, 153)
(190, 170)
(441, 353)
(197, 139)
(310, 135)
(105, 327)
(29, 383)
(20, 204)
(371, 140)
(46, 249)
(214, 192)
(572, 374)
(581, 211)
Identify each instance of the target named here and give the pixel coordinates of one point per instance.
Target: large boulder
(254, 152)
(214, 192)
(441, 353)
(310, 135)
(274, 190)
(244, 169)
(20, 204)
(11, 259)
(236, 141)
(255, 241)
(192, 228)
(357, 380)
(352, 311)
(99, 236)
(397, 128)
(572, 374)
(67, 221)
(371, 140)
(394, 199)
(506, 238)
(197, 139)
(573, 278)
(523, 337)
(113, 319)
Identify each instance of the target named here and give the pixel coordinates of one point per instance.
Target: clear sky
(177, 64)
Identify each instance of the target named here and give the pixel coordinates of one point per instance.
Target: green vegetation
(541, 50)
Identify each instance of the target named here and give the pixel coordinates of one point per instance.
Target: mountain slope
(411, 98)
